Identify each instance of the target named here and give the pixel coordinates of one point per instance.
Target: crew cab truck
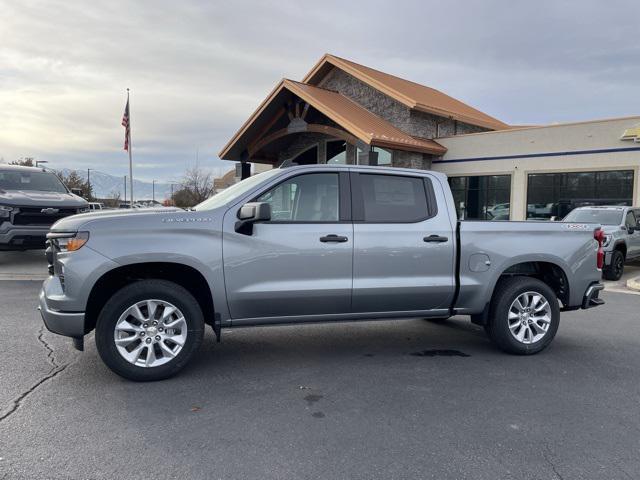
(318, 243)
(31, 200)
(621, 235)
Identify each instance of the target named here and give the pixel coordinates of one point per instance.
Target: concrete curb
(634, 284)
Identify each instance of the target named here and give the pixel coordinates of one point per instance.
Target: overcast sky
(197, 69)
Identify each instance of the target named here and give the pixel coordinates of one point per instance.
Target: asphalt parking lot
(397, 399)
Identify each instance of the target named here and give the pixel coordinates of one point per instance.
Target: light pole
(125, 189)
(172, 183)
(153, 191)
(89, 183)
(38, 162)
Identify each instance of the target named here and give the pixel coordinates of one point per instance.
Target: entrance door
(403, 246)
(300, 262)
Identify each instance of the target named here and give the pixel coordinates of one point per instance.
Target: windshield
(235, 191)
(604, 217)
(28, 180)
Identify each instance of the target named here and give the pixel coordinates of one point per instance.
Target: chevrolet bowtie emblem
(50, 211)
(632, 134)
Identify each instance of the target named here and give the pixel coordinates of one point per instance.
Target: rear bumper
(69, 324)
(591, 296)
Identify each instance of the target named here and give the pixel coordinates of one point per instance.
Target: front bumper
(22, 237)
(591, 296)
(69, 324)
(607, 257)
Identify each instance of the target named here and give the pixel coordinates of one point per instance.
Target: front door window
(305, 198)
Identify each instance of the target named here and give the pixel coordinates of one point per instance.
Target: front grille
(35, 216)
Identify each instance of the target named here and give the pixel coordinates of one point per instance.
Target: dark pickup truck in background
(31, 200)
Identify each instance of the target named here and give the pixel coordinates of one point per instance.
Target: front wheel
(615, 269)
(149, 330)
(524, 315)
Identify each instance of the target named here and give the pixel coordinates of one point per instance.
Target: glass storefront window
(384, 156)
(483, 197)
(556, 194)
(337, 152)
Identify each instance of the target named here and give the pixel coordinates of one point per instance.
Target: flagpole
(130, 161)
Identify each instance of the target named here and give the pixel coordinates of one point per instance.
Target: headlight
(68, 242)
(607, 240)
(5, 212)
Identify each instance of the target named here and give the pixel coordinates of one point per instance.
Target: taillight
(599, 236)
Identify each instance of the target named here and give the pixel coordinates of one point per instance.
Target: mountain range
(105, 185)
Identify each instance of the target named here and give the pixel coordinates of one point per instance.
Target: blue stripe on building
(538, 155)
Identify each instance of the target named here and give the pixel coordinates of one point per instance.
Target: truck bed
(487, 250)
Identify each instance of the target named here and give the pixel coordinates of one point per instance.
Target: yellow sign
(632, 134)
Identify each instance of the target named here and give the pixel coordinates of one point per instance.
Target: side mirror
(251, 213)
(631, 230)
(77, 191)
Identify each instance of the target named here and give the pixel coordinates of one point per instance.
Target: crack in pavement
(44, 343)
(550, 463)
(56, 369)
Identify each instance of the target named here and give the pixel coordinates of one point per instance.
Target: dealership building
(343, 112)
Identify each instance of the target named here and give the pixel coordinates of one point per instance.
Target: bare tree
(113, 200)
(73, 180)
(24, 161)
(196, 187)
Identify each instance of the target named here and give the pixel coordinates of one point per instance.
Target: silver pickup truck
(621, 234)
(306, 244)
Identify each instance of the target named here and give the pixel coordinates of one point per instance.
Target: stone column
(368, 157)
(403, 159)
(350, 154)
(322, 151)
(518, 207)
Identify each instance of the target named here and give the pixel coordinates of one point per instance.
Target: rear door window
(393, 199)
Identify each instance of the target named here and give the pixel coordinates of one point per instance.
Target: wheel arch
(622, 246)
(546, 271)
(184, 275)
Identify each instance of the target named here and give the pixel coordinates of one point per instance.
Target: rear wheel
(524, 315)
(615, 269)
(149, 330)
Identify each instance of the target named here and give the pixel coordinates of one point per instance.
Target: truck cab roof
(21, 168)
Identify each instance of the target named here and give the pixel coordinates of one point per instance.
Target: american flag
(125, 124)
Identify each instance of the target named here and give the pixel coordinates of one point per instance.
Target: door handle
(333, 238)
(435, 239)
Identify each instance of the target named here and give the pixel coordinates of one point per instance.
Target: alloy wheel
(619, 266)
(529, 317)
(150, 333)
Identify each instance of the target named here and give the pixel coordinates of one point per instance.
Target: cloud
(197, 69)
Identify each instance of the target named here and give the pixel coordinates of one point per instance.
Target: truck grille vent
(35, 216)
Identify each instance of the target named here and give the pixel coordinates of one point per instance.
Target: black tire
(615, 269)
(130, 295)
(506, 292)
